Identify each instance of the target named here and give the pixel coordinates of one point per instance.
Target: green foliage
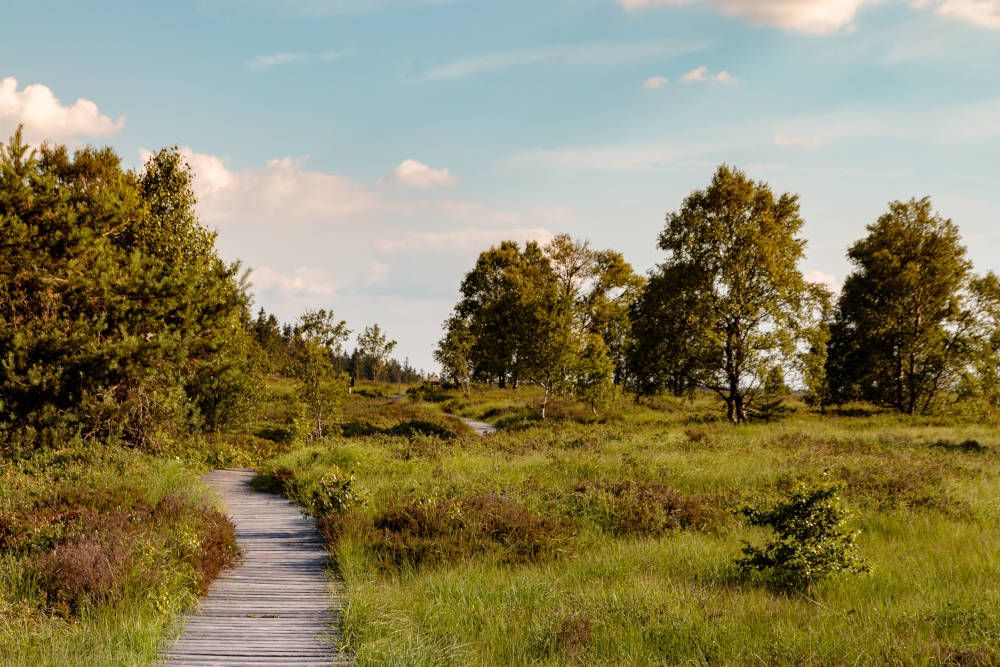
(725, 307)
(317, 337)
(626, 523)
(374, 348)
(454, 352)
(811, 541)
(117, 317)
(812, 360)
(556, 317)
(100, 548)
(594, 373)
(333, 493)
(908, 323)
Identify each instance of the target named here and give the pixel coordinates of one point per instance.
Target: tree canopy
(909, 321)
(118, 319)
(724, 307)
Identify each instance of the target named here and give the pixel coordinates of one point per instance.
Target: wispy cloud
(701, 74)
(588, 54)
(975, 122)
(267, 61)
(983, 13)
(819, 17)
(654, 82)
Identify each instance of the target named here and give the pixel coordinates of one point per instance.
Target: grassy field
(612, 541)
(577, 540)
(100, 549)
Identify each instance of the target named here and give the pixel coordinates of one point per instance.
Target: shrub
(333, 493)
(414, 532)
(636, 507)
(811, 540)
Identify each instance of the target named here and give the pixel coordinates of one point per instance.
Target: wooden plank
(279, 606)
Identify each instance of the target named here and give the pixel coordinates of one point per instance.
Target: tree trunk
(741, 415)
(545, 400)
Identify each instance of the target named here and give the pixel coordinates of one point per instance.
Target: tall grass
(624, 586)
(100, 549)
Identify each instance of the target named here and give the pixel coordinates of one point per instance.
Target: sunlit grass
(928, 516)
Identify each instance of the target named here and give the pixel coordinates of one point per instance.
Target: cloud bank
(45, 117)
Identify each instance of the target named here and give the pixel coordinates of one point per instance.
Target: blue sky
(358, 154)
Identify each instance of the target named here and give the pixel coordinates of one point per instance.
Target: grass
(100, 549)
(603, 540)
(612, 541)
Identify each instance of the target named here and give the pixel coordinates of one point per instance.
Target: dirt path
(481, 428)
(276, 608)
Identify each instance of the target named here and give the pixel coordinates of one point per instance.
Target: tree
(454, 352)
(667, 349)
(118, 320)
(318, 337)
(375, 347)
(488, 298)
(982, 378)
(594, 371)
(812, 359)
(904, 327)
(729, 292)
(614, 291)
(547, 345)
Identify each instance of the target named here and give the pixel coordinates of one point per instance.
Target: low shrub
(644, 508)
(811, 541)
(415, 532)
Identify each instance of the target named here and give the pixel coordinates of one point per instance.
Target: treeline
(119, 321)
(728, 311)
(369, 360)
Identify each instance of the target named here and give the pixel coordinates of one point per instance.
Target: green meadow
(613, 540)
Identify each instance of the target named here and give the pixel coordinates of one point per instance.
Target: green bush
(333, 493)
(811, 540)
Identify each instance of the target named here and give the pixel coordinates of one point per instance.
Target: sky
(357, 155)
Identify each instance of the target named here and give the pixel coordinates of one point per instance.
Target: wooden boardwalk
(276, 608)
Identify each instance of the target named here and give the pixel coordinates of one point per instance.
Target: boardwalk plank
(277, 608)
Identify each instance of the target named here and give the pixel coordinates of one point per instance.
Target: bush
(333, 493)
(812, 542)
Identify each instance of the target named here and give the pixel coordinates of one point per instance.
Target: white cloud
(464, 240)
(808, 16)
(45, 117)
(267, 61)
(697, 74)
(415, 174)
(590, 54)
(302, 283)
(983, 13)
(789, 141)
(824, 278)
(654, 82)
(827, 16)
(701, 74)
(282, 191)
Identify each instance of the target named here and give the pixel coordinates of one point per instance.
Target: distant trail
(481, 428)
(275, 608)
